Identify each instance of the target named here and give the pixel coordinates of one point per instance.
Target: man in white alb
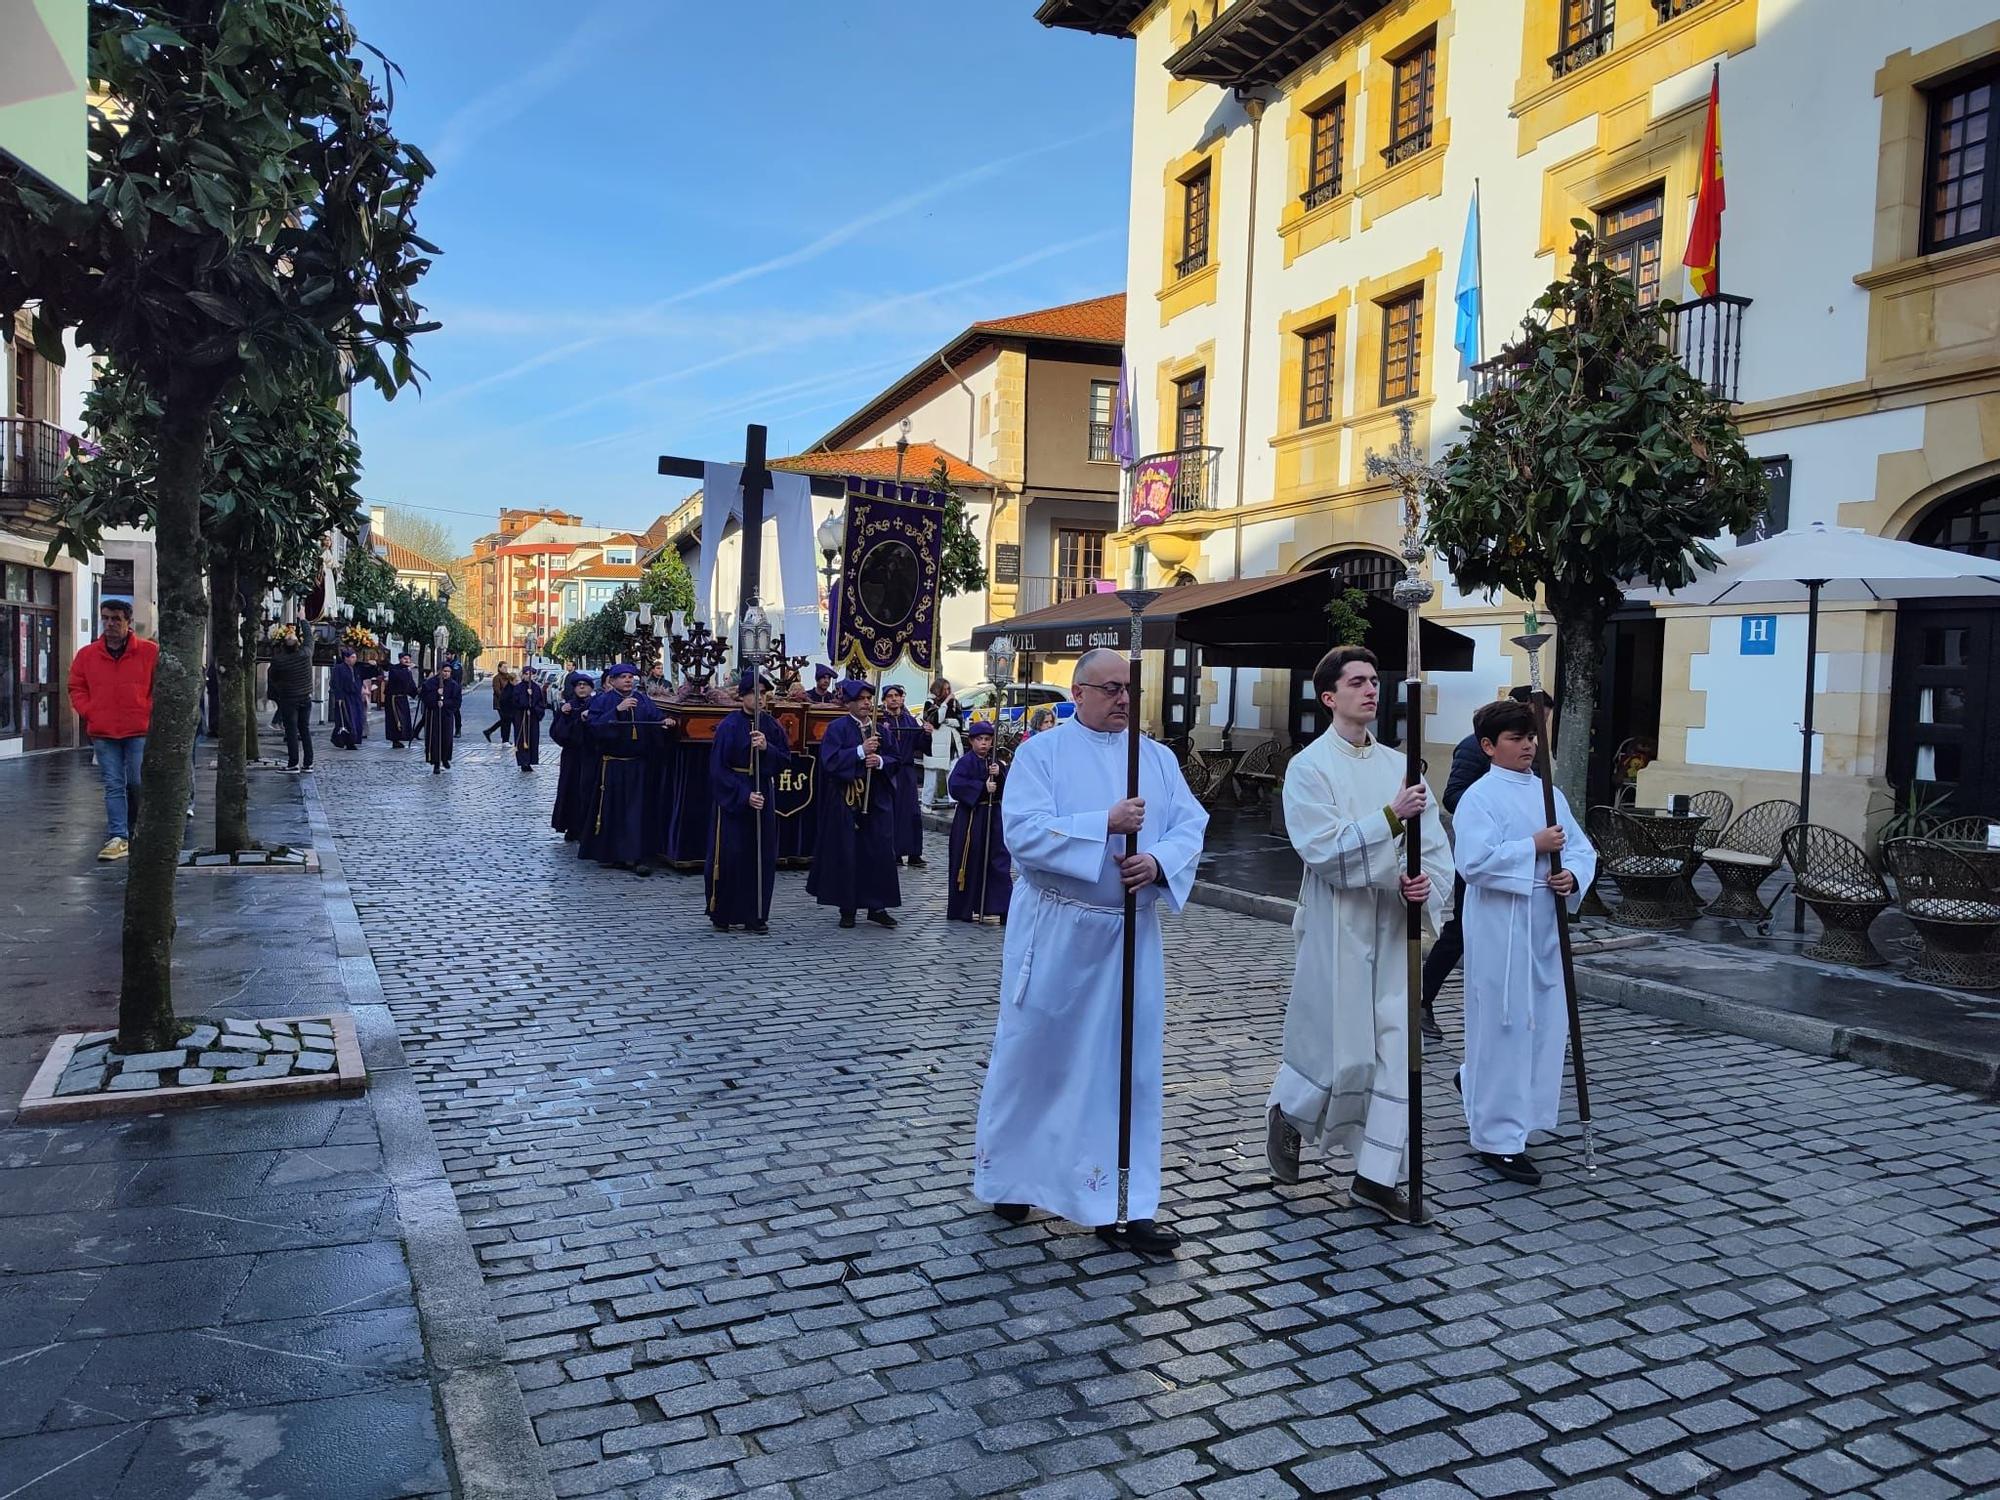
(1048, 1114)
(1345, 1075)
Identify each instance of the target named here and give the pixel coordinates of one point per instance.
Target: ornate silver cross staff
(1405, 468)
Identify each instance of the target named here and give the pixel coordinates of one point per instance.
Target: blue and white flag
(1465, 332)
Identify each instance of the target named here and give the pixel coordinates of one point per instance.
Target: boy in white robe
(1344, 1079)
(1516, 1014)
(1048, 1113)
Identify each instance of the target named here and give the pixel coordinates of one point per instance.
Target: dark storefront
(30, 662)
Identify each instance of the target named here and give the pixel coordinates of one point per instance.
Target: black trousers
(296, 720)
(1447, 950)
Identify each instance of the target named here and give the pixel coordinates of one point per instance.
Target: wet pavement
(719, 1191)
(207, 1302)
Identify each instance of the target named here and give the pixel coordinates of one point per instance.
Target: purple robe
(742, 863)
(618, 830)
(905, 739)
(854, 862)
(982, 876)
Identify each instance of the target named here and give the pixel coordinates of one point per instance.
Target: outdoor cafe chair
(1954, 911)
(1259, 768)
(1647, 881)
(1597, 825)
(1745, 856)
(1833, 875)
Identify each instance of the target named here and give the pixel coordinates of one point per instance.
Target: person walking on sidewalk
(111, 689)
(290, 687)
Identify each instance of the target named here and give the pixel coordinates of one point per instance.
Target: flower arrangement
(359, 637)
(283, 635)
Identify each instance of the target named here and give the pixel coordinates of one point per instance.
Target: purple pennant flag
(1124, 421)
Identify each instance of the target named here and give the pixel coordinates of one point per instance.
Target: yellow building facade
(1300, 185)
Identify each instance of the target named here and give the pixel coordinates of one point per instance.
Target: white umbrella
(1841, 563)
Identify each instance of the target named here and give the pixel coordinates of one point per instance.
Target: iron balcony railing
(1705, 335)
(1402, 150)
(1194, 482)
(1668, 9)
(32, 454)
(1591, 41)
(1193, 261)
(1321, 192)
(1039, 591)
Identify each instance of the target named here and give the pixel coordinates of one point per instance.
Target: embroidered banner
(1153, 486)
(891, 572)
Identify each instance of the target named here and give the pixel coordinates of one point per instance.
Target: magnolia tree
(1598, 463)
(249, 225)
(275, 482)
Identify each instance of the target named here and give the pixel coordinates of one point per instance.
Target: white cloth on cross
(788, 502)
(1344, 1079)
(1516, 1015)
(1048, 1114)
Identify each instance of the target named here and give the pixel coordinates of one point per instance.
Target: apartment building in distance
(1301, 177)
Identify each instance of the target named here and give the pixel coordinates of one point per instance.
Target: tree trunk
(251, 705)
(232, 784)
(145, 998)
(1581, 658)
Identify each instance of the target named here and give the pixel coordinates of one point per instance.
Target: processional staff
(1135, 600)
(1532, 644)
(1412, 476)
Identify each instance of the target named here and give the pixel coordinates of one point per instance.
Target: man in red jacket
(111, 689)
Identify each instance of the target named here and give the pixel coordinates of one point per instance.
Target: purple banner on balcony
(893, 558)
(1154, 483)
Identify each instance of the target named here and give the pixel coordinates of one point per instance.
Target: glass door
(1945, 677)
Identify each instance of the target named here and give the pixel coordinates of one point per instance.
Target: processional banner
(1153, 486)
(892, 568)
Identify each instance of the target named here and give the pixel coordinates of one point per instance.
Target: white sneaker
(113, 849)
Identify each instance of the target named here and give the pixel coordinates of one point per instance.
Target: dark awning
(1277, 621)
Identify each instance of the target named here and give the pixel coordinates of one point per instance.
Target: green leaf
(48, 341)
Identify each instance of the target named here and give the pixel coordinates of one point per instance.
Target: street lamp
(902, 447)
(753, 636)
(1000, 657)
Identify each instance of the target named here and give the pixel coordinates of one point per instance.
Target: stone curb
(492, 1444)
(1864, 1045)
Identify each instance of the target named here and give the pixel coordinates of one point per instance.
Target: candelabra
(697, 654)
(789, 669)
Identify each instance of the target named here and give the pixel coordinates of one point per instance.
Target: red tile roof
(880, 463)
(1099, 320)
(403, 560)
(1096, 321)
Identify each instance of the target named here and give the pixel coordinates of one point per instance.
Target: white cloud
(592, 41)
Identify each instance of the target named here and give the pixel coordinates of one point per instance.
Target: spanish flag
(1704, 251)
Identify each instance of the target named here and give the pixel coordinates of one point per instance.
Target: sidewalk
(1720, 975)
(234, 1299)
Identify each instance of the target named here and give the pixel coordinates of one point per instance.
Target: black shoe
(1429, 1026)
(847, 919)
(1515, 1168)
(1281, 1146)
(718, 926)
(1458, 1083)
(1013, 1213)
(437, 770)
(642, 871)
(1384, 1199)
(917, 862)
(1141, 1236)
(760, 929)
(881, 918)
(488, 736)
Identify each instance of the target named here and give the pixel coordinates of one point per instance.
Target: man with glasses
(1049, 1112)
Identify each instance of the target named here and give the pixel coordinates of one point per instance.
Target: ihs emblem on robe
(1096, 1180)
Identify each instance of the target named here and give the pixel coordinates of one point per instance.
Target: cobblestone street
(719, 1187)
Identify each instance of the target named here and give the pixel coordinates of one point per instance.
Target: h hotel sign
(1760, 636)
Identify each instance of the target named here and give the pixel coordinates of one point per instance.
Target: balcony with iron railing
(1192, 486)
(32, 455)
(1705, 335)
(1039, 591)
(1193, 261)
(1586, 42)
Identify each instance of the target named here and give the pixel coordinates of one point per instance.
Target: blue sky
(662, 219)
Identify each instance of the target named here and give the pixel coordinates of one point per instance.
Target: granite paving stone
(721, 1203)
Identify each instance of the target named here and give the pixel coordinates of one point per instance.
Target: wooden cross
(1405, 468)
(756, 480)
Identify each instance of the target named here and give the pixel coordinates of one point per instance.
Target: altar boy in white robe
(1048, 1114)
(1516, 1015)
(1344, 1079)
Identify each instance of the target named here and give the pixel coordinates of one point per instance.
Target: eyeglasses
(1110, 689)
